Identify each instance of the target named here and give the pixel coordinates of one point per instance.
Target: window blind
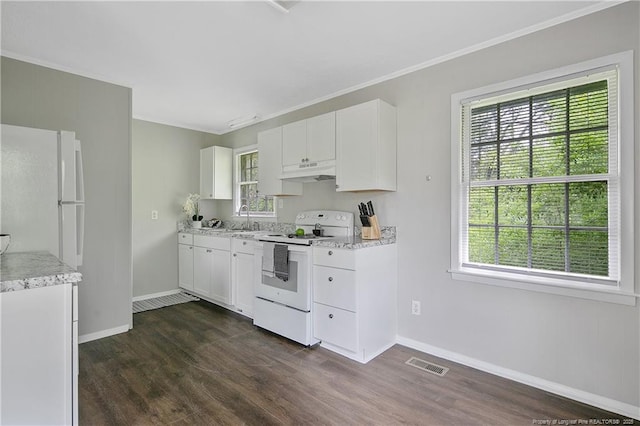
(540, 184)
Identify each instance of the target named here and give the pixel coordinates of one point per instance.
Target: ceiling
(202, 64)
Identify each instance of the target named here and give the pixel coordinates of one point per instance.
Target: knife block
(371, 232)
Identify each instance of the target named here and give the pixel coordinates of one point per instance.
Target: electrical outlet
(415, 307)
(154, 214)
(280, 203)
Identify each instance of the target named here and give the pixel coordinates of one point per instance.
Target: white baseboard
(604, 403)
(103, 333)
(154, 295)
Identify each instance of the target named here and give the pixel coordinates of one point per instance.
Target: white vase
(196, 224)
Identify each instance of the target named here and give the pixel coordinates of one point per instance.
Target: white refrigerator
(42, 192)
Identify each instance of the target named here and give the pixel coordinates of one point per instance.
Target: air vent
(427, 366)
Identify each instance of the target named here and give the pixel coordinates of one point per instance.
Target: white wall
(587, 346)
(166, 163)
(100, 114)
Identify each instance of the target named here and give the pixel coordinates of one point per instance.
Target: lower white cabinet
(185, 266)
(242, 275)
(218, 269)
(354, 294)
(39, 354)
(212, 268)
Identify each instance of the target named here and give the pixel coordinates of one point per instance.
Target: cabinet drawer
(241, 245)
(337, 258)
(335, 326)
(184, 238)
(220, 243)
(334, 287)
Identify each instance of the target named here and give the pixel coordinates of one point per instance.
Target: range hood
(310, 174)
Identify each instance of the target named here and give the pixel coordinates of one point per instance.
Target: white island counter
(38, 340)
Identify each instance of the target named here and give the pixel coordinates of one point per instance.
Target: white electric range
(283, 305)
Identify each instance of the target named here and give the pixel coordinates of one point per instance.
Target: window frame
(623, 292)
(237, 153)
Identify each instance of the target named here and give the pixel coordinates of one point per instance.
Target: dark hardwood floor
(199, 364)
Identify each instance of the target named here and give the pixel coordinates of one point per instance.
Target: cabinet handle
(330, 315)
(234, 255)
(330, 279)
(208, 251)
(190, 248)
(330, 253)
(244, 243)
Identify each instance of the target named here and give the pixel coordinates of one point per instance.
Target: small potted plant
(192, 209)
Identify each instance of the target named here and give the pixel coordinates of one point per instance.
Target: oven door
(296, 291)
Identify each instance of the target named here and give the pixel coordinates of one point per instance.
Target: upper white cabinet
(366, 147)
(309, 143)
(216, 164)
(270, 165)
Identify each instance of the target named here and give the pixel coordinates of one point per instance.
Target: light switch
(154, 214)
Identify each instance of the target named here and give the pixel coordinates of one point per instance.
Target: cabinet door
(294, 143)
(243, 282)
(185, 266)
(221, 276)
(202, 270)
(37, 356)
(216, 164)
(356, 145)
(206, 172)
(270, 165)
(321, 137)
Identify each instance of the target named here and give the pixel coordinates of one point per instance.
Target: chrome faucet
(246, 208)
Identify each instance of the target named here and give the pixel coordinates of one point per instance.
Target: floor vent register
(427, 366)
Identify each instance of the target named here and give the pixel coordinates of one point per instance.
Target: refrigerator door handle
(79, 172)
(80, 233)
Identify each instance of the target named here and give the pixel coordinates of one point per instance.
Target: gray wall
(100, 114)
(166, 164)
(586, 345)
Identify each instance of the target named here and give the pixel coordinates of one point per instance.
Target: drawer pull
(330, 279)
(208, 251)
(330, 253)
(235, 255)
(330, 315)
(244, 243)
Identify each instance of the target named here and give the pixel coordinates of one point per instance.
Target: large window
(538, 187)
(246, 194)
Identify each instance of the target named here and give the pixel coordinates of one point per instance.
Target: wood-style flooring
(199, 364)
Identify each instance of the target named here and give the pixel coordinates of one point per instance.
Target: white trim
(602, 402)
(154, 295)
(103, 333)
(624, 293)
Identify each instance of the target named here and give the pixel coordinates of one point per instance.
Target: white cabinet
(38, 362)
(212, 268)
(216, 166)
(185, 261)
(309, 143)
(270, 165)
(354, 294)
(366, 147)
(242, 275)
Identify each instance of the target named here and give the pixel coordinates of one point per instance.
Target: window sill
(544, 285)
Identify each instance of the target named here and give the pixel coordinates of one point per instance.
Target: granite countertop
(354, 243)
(27, 270)
(350, 243)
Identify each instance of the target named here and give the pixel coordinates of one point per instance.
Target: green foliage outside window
(248, 183)
(537, 198)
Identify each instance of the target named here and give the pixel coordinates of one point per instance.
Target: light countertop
(27, 270)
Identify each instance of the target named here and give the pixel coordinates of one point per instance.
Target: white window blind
(540, 180)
